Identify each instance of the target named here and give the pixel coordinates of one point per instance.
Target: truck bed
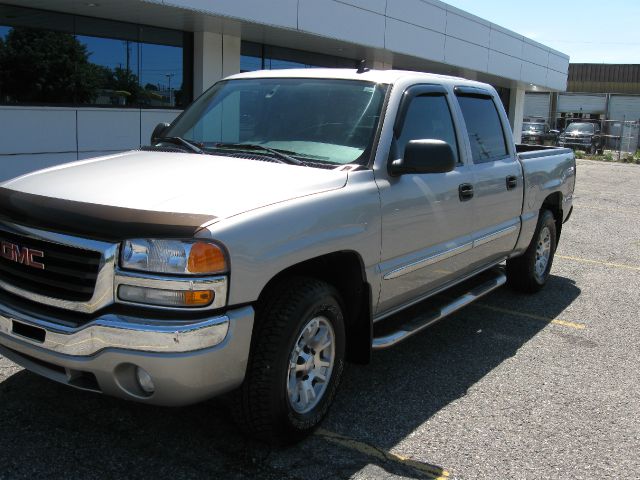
(530, 151)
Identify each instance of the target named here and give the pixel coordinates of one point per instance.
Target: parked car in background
(582, 136)
(538, 133)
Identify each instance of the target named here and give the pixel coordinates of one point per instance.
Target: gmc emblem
(23, 255)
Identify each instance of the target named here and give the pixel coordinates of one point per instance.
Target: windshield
(323, 120)
(580, 127)
(535, 127)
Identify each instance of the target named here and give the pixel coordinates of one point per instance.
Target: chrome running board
(424, 320)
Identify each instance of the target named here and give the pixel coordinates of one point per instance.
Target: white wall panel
(469, 30)
(15, 165)
(87, 155)
(534, 54)
(556, 80)
(150, 118)
(35, 130)
(504, 65)
(558, 63)
(338, 20)
(416, 41)
(534, 74)
(460, 12)
(418, 13)
(272, 12)
(378, 6)
(107, 129)
(501, 42)
(465, 54)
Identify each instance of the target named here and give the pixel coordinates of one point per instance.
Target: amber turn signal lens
(206, 258)
(198, 298)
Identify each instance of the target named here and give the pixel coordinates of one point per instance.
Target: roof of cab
(377, 76)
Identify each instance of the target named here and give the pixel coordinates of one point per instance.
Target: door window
(428, 117)
(484, 128)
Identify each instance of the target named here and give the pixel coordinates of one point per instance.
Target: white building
(81, 79)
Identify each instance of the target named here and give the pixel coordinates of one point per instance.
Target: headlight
(178, 257)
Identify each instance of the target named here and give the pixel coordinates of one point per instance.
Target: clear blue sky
(589, 31)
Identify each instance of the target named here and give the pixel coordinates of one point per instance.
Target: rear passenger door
(497, 177)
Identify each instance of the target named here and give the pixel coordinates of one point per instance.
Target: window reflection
(259, 57)
(115, 69)
(45, 66)
(250, 63)
(90, 61)
(161, 78)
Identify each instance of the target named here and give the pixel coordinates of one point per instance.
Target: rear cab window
(484, 127)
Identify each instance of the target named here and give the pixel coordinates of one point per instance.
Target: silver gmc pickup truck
(275, 230)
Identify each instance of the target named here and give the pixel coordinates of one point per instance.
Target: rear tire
(529, 272)
(296, 362)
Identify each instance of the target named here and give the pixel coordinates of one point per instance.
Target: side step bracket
(419, 323)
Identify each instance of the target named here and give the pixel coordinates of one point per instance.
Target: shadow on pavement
(50, 430)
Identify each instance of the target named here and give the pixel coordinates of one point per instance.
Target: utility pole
(169, 76)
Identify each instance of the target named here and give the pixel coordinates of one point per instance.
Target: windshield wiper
(280, 155)
(183, 143)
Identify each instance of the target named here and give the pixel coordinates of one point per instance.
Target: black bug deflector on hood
(101, 222)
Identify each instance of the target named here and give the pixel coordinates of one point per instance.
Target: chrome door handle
(465, 192)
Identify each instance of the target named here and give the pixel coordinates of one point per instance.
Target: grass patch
(610, 156)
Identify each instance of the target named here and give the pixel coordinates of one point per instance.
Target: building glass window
(48, 58)
(266, 57)
(251, 57)
(505, 96)
(161, 68)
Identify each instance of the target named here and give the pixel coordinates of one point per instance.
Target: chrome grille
(70, 273)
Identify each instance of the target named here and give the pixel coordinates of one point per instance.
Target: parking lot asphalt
(516, 386)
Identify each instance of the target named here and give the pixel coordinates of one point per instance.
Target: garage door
(582, 103)
(624, 107)
(537, 105)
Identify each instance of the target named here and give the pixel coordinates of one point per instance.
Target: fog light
(165, 298)
(144, 380)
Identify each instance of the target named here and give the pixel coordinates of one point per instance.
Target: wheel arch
(345, 271)
(553, 203)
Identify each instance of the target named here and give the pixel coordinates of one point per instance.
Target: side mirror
(158, 132)
(425, 156)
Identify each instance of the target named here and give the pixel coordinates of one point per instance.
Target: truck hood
(217, 186)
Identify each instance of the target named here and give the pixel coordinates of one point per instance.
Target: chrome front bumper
(114, 331)
(188, 361)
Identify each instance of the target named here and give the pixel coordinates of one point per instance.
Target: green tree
(44, 66)
(125, 82)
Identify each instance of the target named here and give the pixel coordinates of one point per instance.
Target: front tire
(529, 272)
(296, 362)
